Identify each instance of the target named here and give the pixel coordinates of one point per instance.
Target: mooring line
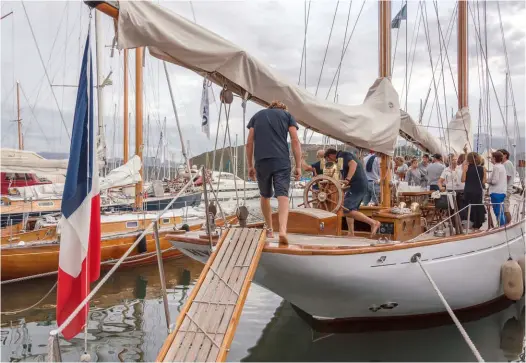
(416, 258)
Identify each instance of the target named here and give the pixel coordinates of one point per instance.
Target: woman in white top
(400, 168)
(451, 177)
(498, 184)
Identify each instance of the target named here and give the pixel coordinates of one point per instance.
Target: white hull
(467, 272)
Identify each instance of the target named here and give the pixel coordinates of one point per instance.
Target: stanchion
(53, 354)
(208, 231)
(161, 273)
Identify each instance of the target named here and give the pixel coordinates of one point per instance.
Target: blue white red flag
(79, 258)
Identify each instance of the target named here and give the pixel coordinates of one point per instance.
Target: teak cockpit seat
(310, 221)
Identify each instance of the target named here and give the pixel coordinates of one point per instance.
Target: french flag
(79, 258)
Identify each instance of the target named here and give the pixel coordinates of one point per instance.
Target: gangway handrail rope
(476, 353)
(54, 333)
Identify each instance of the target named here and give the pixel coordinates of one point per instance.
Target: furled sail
(456, 135)
(175, 39)
(29, 162)
(126, 174)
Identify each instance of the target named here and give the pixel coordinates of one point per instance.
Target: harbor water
(126, 323)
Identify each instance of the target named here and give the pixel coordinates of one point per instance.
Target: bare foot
(375, 228)
(283, 240)
(270, 233)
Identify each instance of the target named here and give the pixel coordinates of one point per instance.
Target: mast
(384, 65)
(462, 54)
(183, 149)
(138, 122)
(18, 119)
(126, 131)
(101, 145)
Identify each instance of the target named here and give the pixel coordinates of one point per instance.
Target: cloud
(272, 31)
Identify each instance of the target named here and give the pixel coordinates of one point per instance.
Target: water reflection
(126, 321)
(127, 324)
(499, 337)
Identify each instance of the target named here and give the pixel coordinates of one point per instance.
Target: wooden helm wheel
(325, 193)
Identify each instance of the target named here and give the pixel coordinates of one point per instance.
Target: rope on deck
(416, 258)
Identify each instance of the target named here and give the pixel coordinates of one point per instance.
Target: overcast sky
(271, 31)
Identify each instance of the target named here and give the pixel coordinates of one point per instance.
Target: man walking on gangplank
(268, 150)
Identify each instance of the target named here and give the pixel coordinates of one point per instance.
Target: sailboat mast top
(384, 38)
(462, 54)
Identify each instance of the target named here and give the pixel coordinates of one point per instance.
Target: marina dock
(206, 325)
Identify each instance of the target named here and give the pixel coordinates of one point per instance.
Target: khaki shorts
(507, 203)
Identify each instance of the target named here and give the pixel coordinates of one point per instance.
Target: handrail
(452, 215)
(54, 333)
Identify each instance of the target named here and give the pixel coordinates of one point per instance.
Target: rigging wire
(489, 76)
(41, 81)
(396, 43)
(414, 41)
(345, 51)
(441, 46)
(306, 16)
(45, 70)
(343, 47)
(65, 64)
(34, 116)
(517, 133)
(327, 47)
(428, 41)
(442, 40)
(449, 34)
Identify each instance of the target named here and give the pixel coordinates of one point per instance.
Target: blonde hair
(278, 104)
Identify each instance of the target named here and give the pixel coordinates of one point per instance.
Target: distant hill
(53, 155)
(497, 142)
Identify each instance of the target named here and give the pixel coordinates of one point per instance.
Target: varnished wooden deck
(205, 327)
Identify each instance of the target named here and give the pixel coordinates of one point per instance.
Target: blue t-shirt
(271, 128)
(359, 176)
(317, 166)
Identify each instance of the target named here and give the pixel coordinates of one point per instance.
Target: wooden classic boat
(31, 253)
(322, 271)
(330, 276)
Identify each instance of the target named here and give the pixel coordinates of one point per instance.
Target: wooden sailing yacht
(37, 239)
(323, 272)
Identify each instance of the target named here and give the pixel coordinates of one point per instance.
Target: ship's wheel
(323, 192)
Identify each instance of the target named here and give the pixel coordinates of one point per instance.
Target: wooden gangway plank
(206, 325)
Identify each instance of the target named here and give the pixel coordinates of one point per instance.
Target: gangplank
(206, 325)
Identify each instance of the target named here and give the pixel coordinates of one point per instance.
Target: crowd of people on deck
(269, 163)
(464, 174)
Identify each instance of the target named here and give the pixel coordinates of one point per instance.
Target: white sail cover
(126, 174)
(456, 136)
(29, 162)
(173, 38)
